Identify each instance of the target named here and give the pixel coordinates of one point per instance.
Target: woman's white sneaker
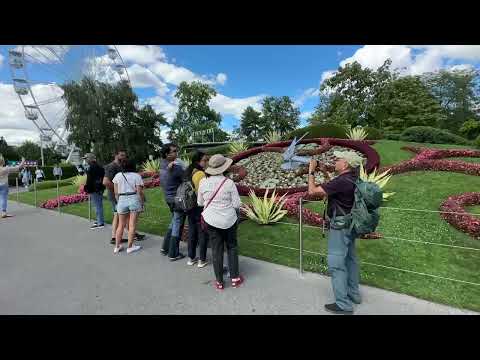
(133, 249)
(117, 249)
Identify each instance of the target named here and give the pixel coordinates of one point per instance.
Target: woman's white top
(4, 171)
(129, 183)
(221, 212)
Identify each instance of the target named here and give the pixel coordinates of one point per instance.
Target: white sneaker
(202, 264)
(133, 249)
(192, 262)
(116, 249)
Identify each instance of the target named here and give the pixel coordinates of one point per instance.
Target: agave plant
(380, 179)
(267, 210)
(237, 147)
(151, 166)
(273, 136)
(357, 133)
(79, 181)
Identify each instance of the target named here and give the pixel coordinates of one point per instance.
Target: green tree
(353, 93)
(104, 116)
(29, 150)
(194, 112)
(470, 129)
(9, 152)
(251, 124)
(457, 92)
(406, 102)
(279, 114)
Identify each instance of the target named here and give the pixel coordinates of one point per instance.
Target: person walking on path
(26, 177)
(39, 174)
(4, 172)
(196, 236)
(342, 258)
(94, 186)
(171, 176)
(57, 172)
(128, 187)
(111, 170)
(219, 197)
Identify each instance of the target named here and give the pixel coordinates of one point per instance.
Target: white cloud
(221, 78)
(141, 54)
(462, 67)
(162, 105)
(44, 53)
(235, 106)
(327, 75)
(413, 60)
(306, 114)
(307, 94)
(141, 77)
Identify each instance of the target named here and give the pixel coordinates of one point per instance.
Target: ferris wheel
(38, 71)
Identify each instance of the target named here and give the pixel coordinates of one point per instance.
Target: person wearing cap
(219, 197)
(342, 259)
(94, 186)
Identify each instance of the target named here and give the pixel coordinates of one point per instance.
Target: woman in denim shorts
(130, 199)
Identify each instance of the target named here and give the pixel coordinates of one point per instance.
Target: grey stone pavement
(53, 263)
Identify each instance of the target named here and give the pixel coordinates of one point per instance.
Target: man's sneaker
(192, 262)
(133, 249)
(237, 282)
(96, 226)
(219, 285)
(202, 264)
(163, 252)
(178, 257)
(139, 237)
(335, 309)
(116, 249)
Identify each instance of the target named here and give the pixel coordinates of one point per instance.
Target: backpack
(364, 216)
(186, 198)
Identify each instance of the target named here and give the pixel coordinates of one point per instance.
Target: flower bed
(462, 220)
(65, 200)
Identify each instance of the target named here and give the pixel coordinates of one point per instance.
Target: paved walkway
(54, 264)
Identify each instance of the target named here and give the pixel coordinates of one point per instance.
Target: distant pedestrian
(39, 174)
(219, 196)
(128, 187)
(26, 177)
(4, 172)
(57, 172)
(94, 186)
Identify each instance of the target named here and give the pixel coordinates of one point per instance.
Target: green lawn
(415, 190)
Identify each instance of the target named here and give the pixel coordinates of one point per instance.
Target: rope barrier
(372, 264)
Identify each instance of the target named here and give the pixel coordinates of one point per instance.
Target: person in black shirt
(342, 259)
(94, 186)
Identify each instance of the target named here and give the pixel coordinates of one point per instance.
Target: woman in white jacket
(4, 171)
(219, 197)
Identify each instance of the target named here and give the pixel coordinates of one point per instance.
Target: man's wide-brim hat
(351, 157)
(218, 164)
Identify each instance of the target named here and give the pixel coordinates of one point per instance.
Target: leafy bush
(470, 129)
(357, 133)
(266, 211)
(237, 147)
(51, 184)
(392, 136)
(373, 133)
(427, 134)
(79, 180)
(319, 131)
(477, 142)
(151, 166)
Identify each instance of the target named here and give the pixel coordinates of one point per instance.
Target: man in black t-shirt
(342, 259)
(95, 188)
(111, 170)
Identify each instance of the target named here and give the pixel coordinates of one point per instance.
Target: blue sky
(242, 75)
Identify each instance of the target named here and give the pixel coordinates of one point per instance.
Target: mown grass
(403, 245)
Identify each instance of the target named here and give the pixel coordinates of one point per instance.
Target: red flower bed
(64, 200)
(148, 174)
(154, 182)
(462, 220)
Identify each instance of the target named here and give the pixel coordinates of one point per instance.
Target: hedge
(373, 133)
(51, 184)
(427, 134)
(320, 131)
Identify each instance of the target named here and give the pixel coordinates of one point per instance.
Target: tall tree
(353, 93)
(279, 114)
(29, 150)
(251, 124)
(458, 93)
(194, 112)
(104, 116)
(7, 151)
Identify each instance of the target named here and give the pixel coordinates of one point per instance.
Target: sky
(241, 75)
